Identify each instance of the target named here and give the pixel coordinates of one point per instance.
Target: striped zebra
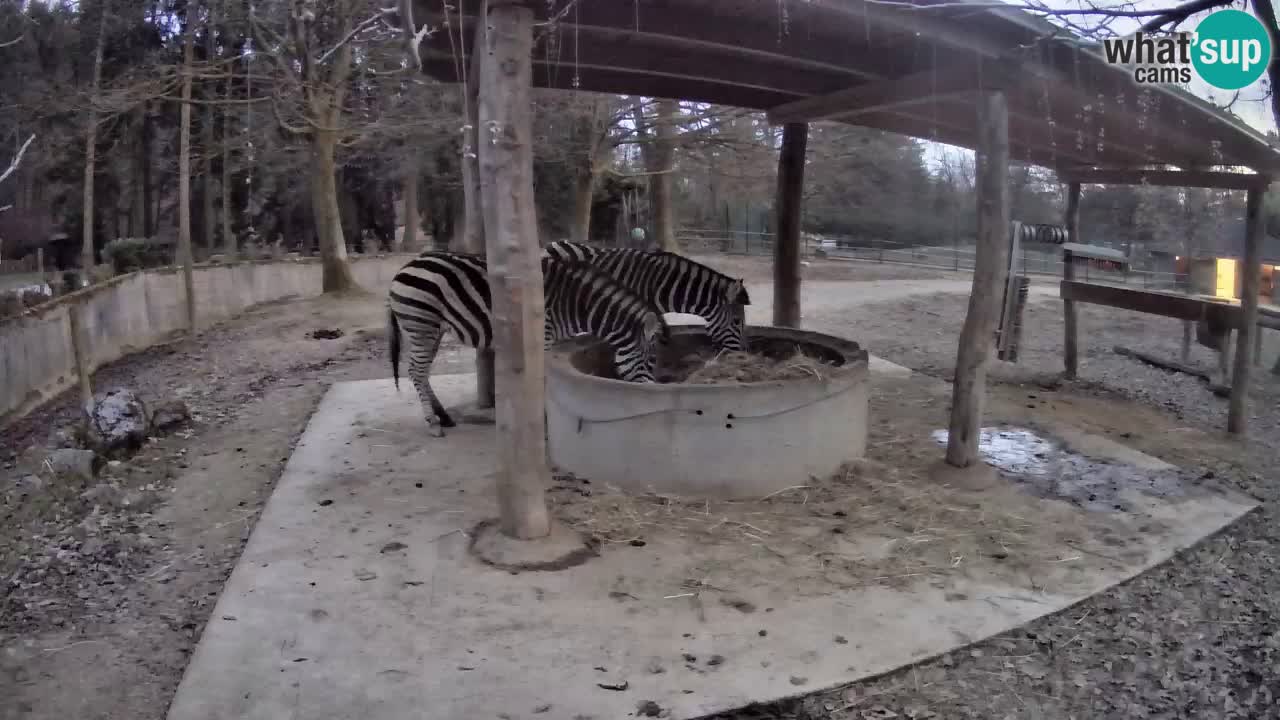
(439, 289)
(674, 283)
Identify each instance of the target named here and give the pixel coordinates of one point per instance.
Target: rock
(102, 494)
(31, 483)
(73, 463)
(169, 415)
(68, 436)
(140, 500)
(118, 423)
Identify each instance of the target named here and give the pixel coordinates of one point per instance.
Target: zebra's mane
(718, 277)
(721, 278)
(593, 272)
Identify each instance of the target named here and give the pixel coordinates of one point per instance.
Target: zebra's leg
(423, 345)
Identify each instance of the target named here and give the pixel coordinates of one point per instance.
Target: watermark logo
(1229, 50)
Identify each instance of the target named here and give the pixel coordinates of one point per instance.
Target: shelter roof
(913, 68)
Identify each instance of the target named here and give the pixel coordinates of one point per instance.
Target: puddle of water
(1047, 468)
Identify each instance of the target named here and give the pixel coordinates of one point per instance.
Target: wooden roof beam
(1022, 147)
(912, 89)
(1059, 138)
(1167, 178)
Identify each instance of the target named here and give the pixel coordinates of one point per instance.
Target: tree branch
(17, 160)
(413, 37)
(1268, 14)
(274, 51)
(377, 17)
(1179, 13)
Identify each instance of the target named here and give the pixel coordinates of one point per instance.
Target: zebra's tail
(393, 328)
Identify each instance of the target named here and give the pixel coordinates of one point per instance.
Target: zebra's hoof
(435, 431)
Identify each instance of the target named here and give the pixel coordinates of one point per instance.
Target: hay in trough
(749, 367)
(868, 524)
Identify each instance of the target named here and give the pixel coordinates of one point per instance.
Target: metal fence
(1042, 260)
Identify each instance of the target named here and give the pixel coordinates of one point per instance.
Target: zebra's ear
(737, 293)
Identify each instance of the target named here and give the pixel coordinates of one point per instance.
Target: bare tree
(91, 142)
(184, 168)
(313, 58)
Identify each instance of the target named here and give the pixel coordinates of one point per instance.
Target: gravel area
(1194, 638)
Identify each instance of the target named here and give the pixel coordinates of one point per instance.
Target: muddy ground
(101, 621)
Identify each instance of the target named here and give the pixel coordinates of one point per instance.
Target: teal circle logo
(1232, 49)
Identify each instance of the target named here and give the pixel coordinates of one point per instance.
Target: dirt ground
(102, 627)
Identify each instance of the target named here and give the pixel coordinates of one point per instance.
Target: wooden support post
(990, 265)
(1224, 357)
(1071, 334)
(1250, 287)
(473, 227)
(515, 271)
(80, 355)
(786, 246)
(1257, 346)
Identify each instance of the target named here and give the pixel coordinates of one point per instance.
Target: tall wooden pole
(515, 271)
(786, 246)
(990, 266)
(473, 217)
(1070, 354)
(1250, 287)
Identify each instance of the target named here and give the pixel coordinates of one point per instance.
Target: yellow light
(1226, 285)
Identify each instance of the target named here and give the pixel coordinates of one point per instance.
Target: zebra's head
(652, 333)
(727, 324)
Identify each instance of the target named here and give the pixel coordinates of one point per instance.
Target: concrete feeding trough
(728, 440)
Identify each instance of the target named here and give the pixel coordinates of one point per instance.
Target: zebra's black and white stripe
(445, 289)
(674, 284)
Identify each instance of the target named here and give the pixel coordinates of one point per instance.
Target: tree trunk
(786, 248)
(184, 172)
(90, 146)
(210, 220)
(664, 155)
(324, 206)
(411, 219)
(137, 194)
(583, 193)
(228, 237)
(990, 263)
(515, 272)
(473, 235)
(148, 214)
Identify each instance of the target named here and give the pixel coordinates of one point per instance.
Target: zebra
(674, 283)
(439, 288)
